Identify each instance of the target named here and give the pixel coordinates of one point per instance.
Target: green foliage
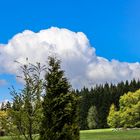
(60, 121)
(130, 109)
(84, 106)
(113, 117)
(3, 122)
(26, 112)
(102, 96)
(92, 118)
(129, 112)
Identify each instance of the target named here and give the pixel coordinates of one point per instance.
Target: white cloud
(79, 59)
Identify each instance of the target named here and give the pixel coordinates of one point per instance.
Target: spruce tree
(60, 121)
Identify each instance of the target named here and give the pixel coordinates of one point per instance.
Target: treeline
(101, 97)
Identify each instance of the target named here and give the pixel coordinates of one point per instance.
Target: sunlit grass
(110, 134)
(104, 134)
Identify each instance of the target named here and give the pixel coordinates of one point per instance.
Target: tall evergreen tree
(84, 106)
(60, 120)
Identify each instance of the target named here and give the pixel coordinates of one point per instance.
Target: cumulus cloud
(79, 60)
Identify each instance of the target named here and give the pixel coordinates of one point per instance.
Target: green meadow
(110, 134)
(105, 134)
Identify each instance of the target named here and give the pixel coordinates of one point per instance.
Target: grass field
(109, 134)
(105, 134)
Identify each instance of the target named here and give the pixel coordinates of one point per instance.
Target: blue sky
(112, 27)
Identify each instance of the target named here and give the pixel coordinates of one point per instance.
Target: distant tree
(60, 121)
(92, 118)
(84, 105)
(130, 109)
(113, 118)
(129, 113)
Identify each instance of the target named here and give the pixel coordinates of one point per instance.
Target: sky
(103, 37)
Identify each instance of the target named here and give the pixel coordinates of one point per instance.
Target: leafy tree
(129, 113)
(92, 118)
(60, 121)
(3, 122)
(113, 117)
(26, 112)
(130, 109)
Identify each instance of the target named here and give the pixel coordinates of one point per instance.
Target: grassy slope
(108, 134)
(104, 134)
